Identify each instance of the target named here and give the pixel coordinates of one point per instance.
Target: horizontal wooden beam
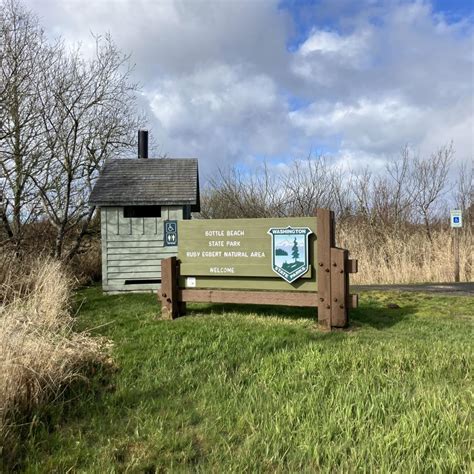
(352, 266)
(250, 297)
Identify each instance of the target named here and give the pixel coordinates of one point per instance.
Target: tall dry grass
(386, 255)
(40, 353)
(405, 256)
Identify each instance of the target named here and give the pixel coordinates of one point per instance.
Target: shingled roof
(142, 182)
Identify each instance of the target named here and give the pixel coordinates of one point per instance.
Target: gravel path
(454, 289)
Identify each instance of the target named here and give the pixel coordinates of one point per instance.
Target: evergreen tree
(294, 251)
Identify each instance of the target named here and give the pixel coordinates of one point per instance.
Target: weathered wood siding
(132, 249)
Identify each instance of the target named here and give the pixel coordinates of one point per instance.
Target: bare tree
(361, 188)
(87, 115)
(266, 192)
(309, 184)
(464, 190)
(430, 176)
(24, 55)
(231, 194)
(342, 198)
(402, 190)
(411, 188)
(61, 117)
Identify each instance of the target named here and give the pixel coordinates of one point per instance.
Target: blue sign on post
(456, 218)
(171, 233)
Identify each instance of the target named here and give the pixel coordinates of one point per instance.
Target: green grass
(240, 388)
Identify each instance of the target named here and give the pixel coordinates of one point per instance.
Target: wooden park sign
(281, 261)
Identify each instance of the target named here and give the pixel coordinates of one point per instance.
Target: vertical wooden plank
(150, 226)
(137, 225)
(104, 224)
(115, 212)
(339, 288)
(125, 223)
(169, 290)
(117, 215)
(325, 240)
(353, 301)
(110, 216)
(181, 304)
(165, 288)
(175, 213)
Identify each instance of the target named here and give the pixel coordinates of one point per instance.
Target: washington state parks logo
(290, 251)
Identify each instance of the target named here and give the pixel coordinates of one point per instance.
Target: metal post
(456, 255)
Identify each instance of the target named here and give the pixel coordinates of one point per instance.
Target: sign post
(456, 223)
(280, 261)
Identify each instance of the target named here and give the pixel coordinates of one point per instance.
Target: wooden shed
(137, 197)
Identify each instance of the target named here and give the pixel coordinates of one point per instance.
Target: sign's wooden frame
(332, 299)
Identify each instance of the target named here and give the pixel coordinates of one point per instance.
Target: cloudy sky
(235, 82)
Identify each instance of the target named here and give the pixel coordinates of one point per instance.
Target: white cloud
(406, 79)
(326, 57)
(220, 112)
(351, 160)
(221, 84)
(373, 126)
(174, 37)
(351, 47)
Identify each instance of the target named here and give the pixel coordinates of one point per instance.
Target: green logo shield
(290, 252)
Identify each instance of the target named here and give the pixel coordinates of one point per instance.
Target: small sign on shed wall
(171, 233)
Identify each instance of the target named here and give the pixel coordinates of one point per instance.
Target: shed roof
(142, 182)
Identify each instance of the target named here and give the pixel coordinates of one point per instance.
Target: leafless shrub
(409, 191)
(303, 186)
(86, 266)
(394, 221)
(431, 176)
(231, 194)
(463, 191)
(312, 183)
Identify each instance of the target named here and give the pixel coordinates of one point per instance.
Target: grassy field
(240, 388)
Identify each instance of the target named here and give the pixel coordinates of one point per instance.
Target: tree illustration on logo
(294, 251)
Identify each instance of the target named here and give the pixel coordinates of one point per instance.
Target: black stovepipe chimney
(142, 143)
